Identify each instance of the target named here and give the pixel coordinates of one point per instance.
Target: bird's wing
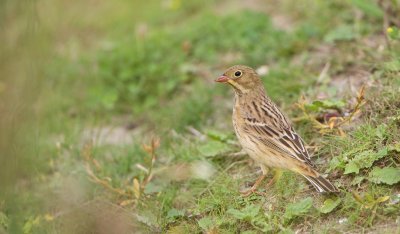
(284, 140)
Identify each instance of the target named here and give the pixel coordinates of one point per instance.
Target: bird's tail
(321, 184)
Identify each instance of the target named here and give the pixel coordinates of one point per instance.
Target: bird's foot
(253, 188)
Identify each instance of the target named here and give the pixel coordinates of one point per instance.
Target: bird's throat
(239, 89)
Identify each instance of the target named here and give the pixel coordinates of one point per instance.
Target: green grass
(108, 82)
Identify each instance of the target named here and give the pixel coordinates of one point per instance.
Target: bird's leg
(253, 188)
(277, 175)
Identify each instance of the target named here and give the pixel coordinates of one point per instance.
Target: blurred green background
(84, 84)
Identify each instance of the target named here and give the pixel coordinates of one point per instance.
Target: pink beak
(222, 79)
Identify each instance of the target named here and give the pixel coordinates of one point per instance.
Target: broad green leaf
(387, 175)
(174, 213)
(335, 163)
(247, 213)
(329, 205)
(325, 104)
(251, 210)
(368, 7)
(212, 148)
(217, 135)
(147, 217)
(351, 167)
(364, 160)
(205, 223)
(299, 208)
(355, 150)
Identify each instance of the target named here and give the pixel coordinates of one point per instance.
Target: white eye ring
(238, 73)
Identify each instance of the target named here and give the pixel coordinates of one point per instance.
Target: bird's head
(242, 78)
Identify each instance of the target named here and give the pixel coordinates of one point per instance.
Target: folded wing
(281, 139)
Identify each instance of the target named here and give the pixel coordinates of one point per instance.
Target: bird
(266, 134)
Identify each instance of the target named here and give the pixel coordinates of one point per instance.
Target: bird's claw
(253, 188)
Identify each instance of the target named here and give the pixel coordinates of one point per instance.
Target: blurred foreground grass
(87, 85)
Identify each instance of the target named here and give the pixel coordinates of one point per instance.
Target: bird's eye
(238, 74)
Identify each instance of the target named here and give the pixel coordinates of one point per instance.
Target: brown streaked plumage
(264, 132)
